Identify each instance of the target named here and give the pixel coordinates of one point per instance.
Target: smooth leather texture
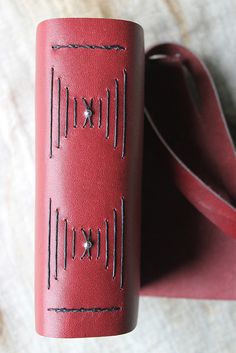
(188, 191)
(88, 176)
(189, 181)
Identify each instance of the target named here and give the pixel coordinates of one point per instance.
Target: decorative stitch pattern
(106, 244)
(122, 241)
(56, 245)
(51, 110)
(65, 243)
(88, 243)
(114, 242)
(49, 241)
(73, 243)
(85, 310)
(58, 112)
(67, 112)
(100, 113)
(124, 113)
(107, 113)
(89, 113)
(98, 243)
(116, 112)
(75, 112)
(88, 46)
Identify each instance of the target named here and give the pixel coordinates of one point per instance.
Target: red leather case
(89, 127)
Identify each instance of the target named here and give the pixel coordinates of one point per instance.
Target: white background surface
(165, 326)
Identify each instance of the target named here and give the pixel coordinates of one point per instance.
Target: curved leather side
(202, 158)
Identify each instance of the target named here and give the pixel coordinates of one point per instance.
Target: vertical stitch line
(122, 241)
(58, 112)
(124, 112)
(116, 112)
(65, 243)
(85, 239)
(73, 242)
(115, 242)
(75, 112)
(100, 113)
(89, 239)
(56, 250)
(67, 112)
(98, 243)
(84, 234)
(49, 242)
(85, 310)
(106, 244)
(51, 110)
(108, 113)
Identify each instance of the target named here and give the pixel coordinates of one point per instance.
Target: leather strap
(215, 201)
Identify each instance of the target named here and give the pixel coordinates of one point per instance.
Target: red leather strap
(212, 197)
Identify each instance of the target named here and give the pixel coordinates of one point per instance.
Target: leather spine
(89, 135)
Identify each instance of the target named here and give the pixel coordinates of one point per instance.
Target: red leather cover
(89, 127)
(189, 184)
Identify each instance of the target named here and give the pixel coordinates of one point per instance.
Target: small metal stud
(88, 113)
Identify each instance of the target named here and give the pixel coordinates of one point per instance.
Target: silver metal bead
(88, 244)
(88, 113)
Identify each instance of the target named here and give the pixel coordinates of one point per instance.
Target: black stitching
(49, 241)
(106, 244)
(107, 113)
(115, 242)
(56, 250)
(88, 46)
(67, 112)
(122, 241)
(124, 113)
(51, 110)
(58, 112)
(73, 242)
(98, 243)
(85, 310)
(86, 238)
(75, 112)
(116, 112)
(100, 113)
(65, 243)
